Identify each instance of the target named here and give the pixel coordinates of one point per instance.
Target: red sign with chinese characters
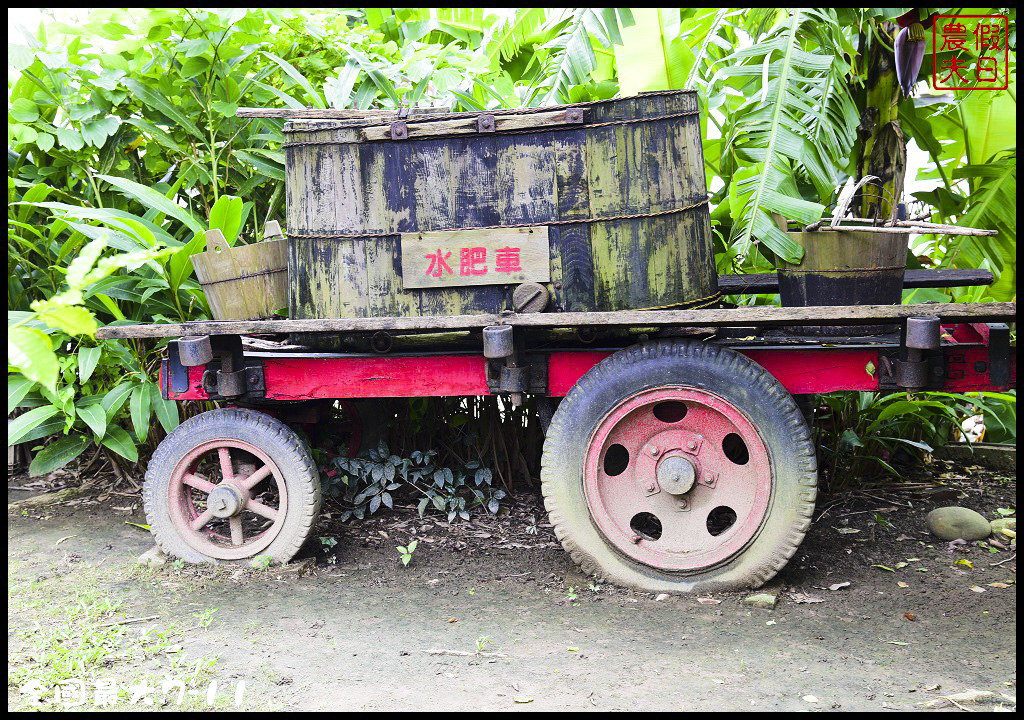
(980, 47)
(493, 256)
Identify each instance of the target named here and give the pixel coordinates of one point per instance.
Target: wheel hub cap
(678, 479)
(225, 501)
(676, 475)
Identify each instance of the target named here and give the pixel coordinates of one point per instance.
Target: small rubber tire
(708, 367)
(300, 478)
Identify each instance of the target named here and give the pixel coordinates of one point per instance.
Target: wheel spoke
(225, 464)
(201, 521)
(235, 522)
(260, 509)
(198, 483)
(253, 480)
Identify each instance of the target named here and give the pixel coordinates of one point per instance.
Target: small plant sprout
(260, 562)
(483, 642)
(328, 543)
(571, 594)
(594, 587)
(406, 552)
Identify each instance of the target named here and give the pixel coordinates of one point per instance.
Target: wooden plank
(735, 317)
(499, 256)
(468, 125)
(768, 283)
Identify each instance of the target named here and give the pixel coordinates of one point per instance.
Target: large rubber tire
(710, 368)
(299, 475)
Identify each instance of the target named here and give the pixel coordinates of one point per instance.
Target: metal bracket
(248, 382)
(399, 130)
(999, 354)
(528, 376)
(485, 123)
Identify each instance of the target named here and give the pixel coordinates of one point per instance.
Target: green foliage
(124, 147)
(368, 482)
(861, 435)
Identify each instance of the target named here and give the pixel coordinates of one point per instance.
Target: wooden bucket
(842, 267)
(602, 204)
(245, 282)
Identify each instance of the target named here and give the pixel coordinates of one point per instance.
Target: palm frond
(793, 123)
(514, 33)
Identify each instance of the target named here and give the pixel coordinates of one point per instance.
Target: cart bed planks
(732, 317)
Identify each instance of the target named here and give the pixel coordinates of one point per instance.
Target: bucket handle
(216, 243)
(272, 230)
(847, 197)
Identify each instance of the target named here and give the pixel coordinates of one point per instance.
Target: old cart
(561, 253)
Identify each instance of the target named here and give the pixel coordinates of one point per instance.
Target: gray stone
(1003, 524)
(764, 600)
(958, 523)
(154, 557)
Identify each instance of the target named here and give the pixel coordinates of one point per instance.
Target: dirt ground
(912, 620)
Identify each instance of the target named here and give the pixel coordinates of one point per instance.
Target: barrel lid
(308, 123)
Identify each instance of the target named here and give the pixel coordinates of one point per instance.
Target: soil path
(353, 631)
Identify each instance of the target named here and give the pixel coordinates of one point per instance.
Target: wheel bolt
(636, 539)
(653, 449)
(692, 445)
(650, 488)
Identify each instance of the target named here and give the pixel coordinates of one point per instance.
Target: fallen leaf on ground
(708, 601)
(847, 531)
(998, 585)
(839, 586)
(810, 699)
(883, 567)
(522, 700)
(896, 642)
(902, 584)
(453, 620)
(977, 589)
(965, 562)
(910, 616)
(662, 596)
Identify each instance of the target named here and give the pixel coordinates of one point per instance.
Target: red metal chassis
(965, 360)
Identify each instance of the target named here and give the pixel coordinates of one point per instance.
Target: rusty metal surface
(677, 525)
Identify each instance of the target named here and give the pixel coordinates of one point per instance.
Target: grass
(67, 630)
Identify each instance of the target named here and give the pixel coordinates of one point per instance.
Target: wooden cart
(562, 253)
(676, 457)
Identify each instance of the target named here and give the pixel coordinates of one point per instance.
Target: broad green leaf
(151, 199)
(94, 417)
(72, 319)
(226, 216)
(23, 110)
(58, 454)
(118, 440)
(88, 357)
(18, 386)
(166, 410)
(140, 410)
(20, 426)
(115, 398)
(179, 266)
(31, 352)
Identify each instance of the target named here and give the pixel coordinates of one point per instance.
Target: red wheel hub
(677, 478)
(227, 499)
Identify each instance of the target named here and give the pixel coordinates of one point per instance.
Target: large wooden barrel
(604, 204)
